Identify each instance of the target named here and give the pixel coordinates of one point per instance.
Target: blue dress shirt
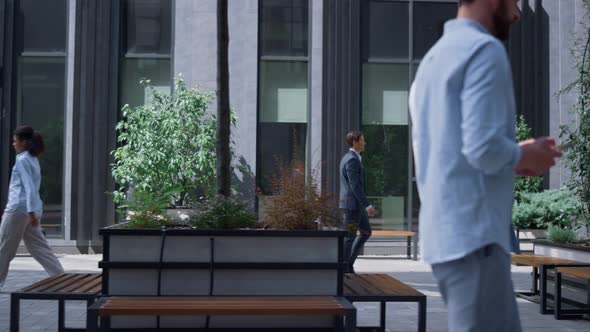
(25, 181)
(463, 113)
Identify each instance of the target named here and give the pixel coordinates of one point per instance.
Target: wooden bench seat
(410, 236)
(62, 287)
(540, 264)
(107, 307)
(383, 288)
(581, 271)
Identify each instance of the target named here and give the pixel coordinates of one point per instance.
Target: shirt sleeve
(26, 177)
(486, 143)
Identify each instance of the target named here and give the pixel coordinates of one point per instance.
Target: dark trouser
(355, 220)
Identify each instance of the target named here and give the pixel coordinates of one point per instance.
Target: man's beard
(502, 22)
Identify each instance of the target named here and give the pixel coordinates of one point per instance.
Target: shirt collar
(459, 23)
(357, 154)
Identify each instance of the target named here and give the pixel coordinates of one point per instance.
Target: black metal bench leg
(535, 275)
(422, 315)
(14, 312)
(61, 316)
(89, 302)
(557, 309)
(382, 315)
(543, 290)
(350, 324)
(409, 247)
(92, 320)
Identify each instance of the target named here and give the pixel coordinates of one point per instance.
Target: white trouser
(16, 226)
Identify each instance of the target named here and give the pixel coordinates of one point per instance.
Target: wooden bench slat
(538, 260)
(220, 306)
(376, 285)
(42, 282)
(580, 272)
(43, 287)
(392, 233)
(75, 286)
(393, 285)
(60, 286)
(359, 286)
(91, 287)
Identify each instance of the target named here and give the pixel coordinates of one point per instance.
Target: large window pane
(42, 25)
(429, 20)
(386, 30)
(385, 124)
(41, 104)
(157, 71)
(148, 28)
(282, 116)
(283, 27)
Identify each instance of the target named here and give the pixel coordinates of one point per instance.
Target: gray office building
(302, 74)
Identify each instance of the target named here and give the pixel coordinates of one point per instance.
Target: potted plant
(222, 250)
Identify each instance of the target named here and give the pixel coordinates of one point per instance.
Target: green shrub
(144, 209)
(166, 147)
(561, 235)
(551, 207)
(222, 212)
(525, 184)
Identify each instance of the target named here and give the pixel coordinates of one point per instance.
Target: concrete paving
(42, 315)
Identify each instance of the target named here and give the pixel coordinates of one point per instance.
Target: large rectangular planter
(188, 262)
(561, 250)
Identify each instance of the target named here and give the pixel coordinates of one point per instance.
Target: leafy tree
(167, 147)
(525, 184)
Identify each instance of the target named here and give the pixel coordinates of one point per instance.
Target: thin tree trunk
(223, 110)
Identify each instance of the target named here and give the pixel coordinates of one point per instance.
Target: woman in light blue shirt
(24, 208)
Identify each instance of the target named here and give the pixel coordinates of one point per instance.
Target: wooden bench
(540, 264)
(581, 272)
(383, 288)
(407, 234)
(61, 287)
(107, 307)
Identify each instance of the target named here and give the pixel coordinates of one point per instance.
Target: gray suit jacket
(352, 183)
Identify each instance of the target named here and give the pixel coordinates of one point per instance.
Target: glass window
(147, 34)
(386, 30)
(148, 28)
(283, 27)
(429, 21)
(42, 25)
(41, 30)
(283, 88)
(282, 116)
(135, 70)
(385, 124)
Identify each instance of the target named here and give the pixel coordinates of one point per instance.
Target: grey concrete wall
(195, 56)
(316, 86)
(195, 44)
(243, 73)
(566, 19)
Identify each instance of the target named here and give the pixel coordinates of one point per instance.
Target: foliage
(144, 209)
(167, 147)
(561, 234)
(297, 203)
(525, 184)
(222, 212)
(551, 207)
(577, 158)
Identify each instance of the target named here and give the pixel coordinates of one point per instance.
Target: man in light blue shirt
(463, 114)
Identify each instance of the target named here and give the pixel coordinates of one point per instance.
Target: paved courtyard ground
(42, 315)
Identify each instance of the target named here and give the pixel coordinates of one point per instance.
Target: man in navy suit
(353, 199)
